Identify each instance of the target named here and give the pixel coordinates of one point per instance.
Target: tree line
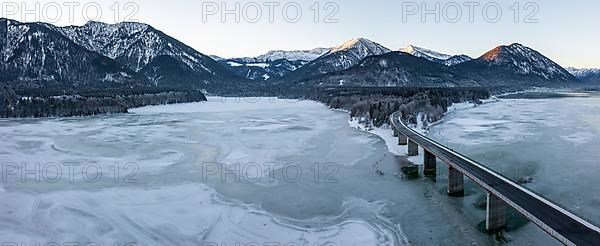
(376, 105)
(16, 106)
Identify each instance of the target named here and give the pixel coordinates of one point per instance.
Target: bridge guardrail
(431, 145)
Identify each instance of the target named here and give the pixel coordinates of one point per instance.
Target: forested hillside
(13, 106)
(377, 106)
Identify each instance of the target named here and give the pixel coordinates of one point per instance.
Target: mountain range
(38, 55)
(434, 56)
(272, 65)
(136, 55)
(99, 55)
(339, 58)
(395, 69)
(143, 49)
(590, 75)
(512, 65)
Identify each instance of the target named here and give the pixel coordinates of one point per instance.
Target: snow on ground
(234, 64)
(387, 135)
(261, 65)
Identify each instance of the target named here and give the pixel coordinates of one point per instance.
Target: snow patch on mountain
(253, 70)
(435, 56)
(261, 65)
(361, 45)
(110, 40)
(293, 55)
(134, 44)
(15, 34)
(217, 58)
(341, 57)
(40, 53)
(458, 59)
(526, 61)
(585, 74)
(582, 72)
(424, 53)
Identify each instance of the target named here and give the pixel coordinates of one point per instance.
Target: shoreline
(385, 133)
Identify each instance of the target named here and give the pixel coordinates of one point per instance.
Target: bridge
(561, 224)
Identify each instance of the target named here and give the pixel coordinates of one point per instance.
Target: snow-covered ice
(555, 141)
(188, 214)
(173, 200)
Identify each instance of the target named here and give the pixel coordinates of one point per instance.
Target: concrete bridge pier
(395, 132)
(456, 181)
(495, 215)
(402, 140)
(413, 148)
(429, 164)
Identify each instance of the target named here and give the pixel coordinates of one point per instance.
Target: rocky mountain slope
(396, 69)
(265, 70)
(272, 65)
(586, 74)
(435, 56)
(293, 55)
(128, 56)
(515, 64)
(38, 55)
(144, 49)
(339, 58)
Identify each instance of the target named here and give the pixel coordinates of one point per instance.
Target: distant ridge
(435, 56)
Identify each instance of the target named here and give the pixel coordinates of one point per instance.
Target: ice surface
(189, 215)
(167, 205)
(357, 197)
(555, 141)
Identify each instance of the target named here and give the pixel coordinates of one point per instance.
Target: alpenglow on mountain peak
(361, 43)
(522, 62)
(340, 58)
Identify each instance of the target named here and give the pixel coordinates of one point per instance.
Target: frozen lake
(262, 171)
(550, 145)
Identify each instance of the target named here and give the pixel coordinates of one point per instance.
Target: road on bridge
(558, 222)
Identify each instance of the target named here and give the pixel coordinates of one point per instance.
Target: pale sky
(566, 31)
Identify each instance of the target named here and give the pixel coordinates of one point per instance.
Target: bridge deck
(558, 222)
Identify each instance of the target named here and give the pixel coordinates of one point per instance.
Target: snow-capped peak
(341, 57)
(526, 61)
(502, 52)
(425, 53)
(346, 45)
(360, 43)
